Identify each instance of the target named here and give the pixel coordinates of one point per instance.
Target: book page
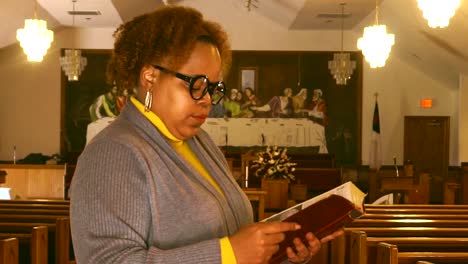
(347, 190)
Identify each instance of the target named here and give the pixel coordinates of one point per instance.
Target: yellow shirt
(227, 254)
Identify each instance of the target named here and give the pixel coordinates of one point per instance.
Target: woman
(152, 187)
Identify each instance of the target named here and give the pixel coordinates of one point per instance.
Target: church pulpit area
(418, 187)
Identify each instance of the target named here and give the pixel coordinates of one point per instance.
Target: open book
(321, 215)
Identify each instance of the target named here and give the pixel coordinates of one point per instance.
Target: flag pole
(375, 158)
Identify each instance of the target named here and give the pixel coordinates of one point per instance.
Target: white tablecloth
(286, 132)
(95, 127)
(247, 132)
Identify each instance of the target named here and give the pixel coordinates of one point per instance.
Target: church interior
(301, 85)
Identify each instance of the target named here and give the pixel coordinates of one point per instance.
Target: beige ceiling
(442, 53)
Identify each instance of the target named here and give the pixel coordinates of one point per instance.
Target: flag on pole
(375, 159)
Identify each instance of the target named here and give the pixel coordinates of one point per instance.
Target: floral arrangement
(274, 163)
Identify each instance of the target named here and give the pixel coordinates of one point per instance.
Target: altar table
(285, 132)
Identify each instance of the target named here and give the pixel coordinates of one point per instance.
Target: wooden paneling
(35, 181)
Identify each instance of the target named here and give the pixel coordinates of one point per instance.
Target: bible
(321, 215)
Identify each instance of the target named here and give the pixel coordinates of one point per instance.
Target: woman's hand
(303, 253)
(256, 243)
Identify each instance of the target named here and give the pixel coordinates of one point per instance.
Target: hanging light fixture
(72, 63)
(438, 12)
(35, 38)
(341, 67)
(250, 3)
(376, 44)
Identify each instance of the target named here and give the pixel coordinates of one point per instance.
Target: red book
(321, 215)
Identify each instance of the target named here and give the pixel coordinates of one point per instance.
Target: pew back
(9, 248)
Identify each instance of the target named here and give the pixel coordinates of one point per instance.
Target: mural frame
(269, 71)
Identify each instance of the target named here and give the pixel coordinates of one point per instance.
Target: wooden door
(426, 144)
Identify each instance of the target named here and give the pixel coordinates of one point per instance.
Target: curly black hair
(166, 36)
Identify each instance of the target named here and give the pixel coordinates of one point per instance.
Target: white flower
(273, 163)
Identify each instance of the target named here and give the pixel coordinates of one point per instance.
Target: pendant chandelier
(72, 63)
(438, 12)
(341, 67)
(376, 44)
(35, 38)
(250, 3)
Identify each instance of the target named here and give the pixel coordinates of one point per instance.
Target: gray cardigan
(134, 199)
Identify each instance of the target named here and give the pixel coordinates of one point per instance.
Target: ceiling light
(72, 63)
(438, 12)
(341, 67)
(35, 38)
(250, 3)
(376, 44)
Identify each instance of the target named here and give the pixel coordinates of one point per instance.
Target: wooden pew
(52, 213)
(388, 254)
(35, 206)
(423, 211)
(340, 247)
(416, 206)
(58, 233)
(35, 211)
(363, 249)
(9, 248)
(415, 216)
(32, 241)
(411, 231)
(409, 223)
(63, 241)
(36, 201)
(417, 211)
(24, 218)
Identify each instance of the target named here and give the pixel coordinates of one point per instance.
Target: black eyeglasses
(199, 85)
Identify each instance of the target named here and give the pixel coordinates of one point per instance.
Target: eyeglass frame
(211, 87)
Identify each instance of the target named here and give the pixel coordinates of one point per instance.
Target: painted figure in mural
(318, 108)
(121, 99)
(231, 104)
(104, 105)
(218, 110)
(250, 98)
(240, 97)
(299, 102)
(278, 106)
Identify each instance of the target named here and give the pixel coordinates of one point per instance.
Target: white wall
(400, 88)
(29, 104)
(30, 94)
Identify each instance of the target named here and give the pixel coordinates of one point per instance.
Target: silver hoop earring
(148, 100)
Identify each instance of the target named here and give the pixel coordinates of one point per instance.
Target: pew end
(387, 253)
(358, 247)
(9, 250)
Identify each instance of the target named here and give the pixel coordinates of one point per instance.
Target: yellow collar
(156, 121)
